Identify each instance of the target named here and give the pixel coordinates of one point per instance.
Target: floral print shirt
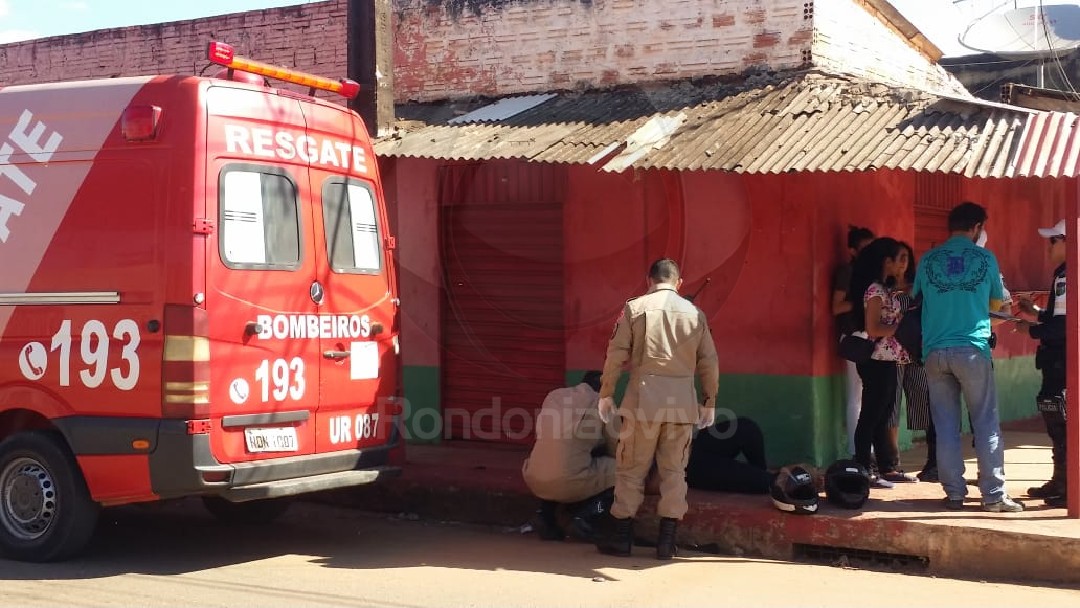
(892, 309)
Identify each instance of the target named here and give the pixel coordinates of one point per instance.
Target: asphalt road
(318, 555)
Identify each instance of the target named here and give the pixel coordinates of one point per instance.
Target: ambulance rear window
(352, 228)
(260, 227)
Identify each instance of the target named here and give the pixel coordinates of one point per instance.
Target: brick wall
(309, 37)
(456, 48)
(849, 40)
(459, 48)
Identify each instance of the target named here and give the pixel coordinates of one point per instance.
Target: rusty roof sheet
(807, 121)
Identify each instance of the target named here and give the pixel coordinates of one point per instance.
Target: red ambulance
(197, 298)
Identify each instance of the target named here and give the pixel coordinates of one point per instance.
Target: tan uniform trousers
(585, 484)
(639, 443)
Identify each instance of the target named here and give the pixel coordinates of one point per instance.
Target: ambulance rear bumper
(181, 464)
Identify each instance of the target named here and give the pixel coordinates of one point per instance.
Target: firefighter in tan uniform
(667, 342)
(573, 459)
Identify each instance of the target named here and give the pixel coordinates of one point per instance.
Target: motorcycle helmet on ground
(816, 475)
(793, 491)
(847, 484)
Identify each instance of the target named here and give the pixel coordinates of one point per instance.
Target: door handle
(336, 355)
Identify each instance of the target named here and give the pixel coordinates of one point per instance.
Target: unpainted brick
(634, 38)
(755, 15)
(766, 39)
(801, 37)
(726, 20)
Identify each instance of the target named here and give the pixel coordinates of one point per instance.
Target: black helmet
(847, 484)
(793, 491)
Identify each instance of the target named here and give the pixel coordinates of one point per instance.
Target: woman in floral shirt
(878, 309)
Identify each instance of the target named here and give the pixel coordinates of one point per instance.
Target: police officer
(1050, 359)
(572, 461)
(666, 341)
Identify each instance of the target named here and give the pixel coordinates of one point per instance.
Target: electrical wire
(1054, 53)
(998, 81)
(969, 63)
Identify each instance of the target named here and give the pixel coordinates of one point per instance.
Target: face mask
(981, 241)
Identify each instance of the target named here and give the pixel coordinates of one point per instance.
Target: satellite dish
(1023, 33)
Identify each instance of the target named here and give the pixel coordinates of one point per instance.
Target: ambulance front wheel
(252, 512)
(46, 513)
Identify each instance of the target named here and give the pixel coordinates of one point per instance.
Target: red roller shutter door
(502, 316)
(935, 195)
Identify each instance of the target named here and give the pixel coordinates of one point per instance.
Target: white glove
(706, 416)
(607, 408)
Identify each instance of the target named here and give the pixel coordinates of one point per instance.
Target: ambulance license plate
(282, 439)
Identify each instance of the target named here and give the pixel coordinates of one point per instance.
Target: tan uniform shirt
(667, 341)
(561, 466)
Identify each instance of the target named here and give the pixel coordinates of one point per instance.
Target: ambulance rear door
(261, 277)
(359, 376)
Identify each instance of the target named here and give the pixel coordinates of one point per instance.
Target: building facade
(739, 137)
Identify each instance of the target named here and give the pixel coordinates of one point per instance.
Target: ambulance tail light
(222, 54)
(140, 123)
(186, 364)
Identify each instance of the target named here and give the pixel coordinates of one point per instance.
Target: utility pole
(371, 62)
(1072, 320)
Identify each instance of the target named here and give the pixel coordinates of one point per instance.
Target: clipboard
(1004, 316)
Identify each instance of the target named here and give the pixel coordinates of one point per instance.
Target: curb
(748, 526)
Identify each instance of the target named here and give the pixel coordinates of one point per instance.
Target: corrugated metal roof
(502, 109)
(806, 121)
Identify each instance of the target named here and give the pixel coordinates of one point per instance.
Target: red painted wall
(1017, 209)
(768, 242)
(881, 201)
(411, 190)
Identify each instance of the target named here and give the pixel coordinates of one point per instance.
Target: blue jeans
(950, 373)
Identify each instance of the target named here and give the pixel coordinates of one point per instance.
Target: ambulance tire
(46, 513)
(251, 512)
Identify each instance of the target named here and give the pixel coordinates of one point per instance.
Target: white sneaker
(877, 481)
(1005, 505)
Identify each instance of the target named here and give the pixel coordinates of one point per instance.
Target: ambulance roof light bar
(222, 54)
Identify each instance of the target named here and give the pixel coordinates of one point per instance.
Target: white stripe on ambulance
(268, 143)
(314, 326)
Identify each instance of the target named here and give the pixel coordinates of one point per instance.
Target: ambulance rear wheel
(252, 512)
(46, 513)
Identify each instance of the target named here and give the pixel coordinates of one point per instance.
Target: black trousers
(714, 463)
(1053, 385)
(878, 398)
(931, 444)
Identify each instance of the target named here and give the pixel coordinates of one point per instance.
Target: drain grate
(860, 558)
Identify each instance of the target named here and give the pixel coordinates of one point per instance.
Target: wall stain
(459, 8)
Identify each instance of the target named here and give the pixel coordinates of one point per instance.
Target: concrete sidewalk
(906, 526)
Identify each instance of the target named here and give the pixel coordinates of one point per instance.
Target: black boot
(665, 541)
(547, 526)
(929, 472)
(1050, 489)
(620, 540)
(588, 515)
(1057, 502)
